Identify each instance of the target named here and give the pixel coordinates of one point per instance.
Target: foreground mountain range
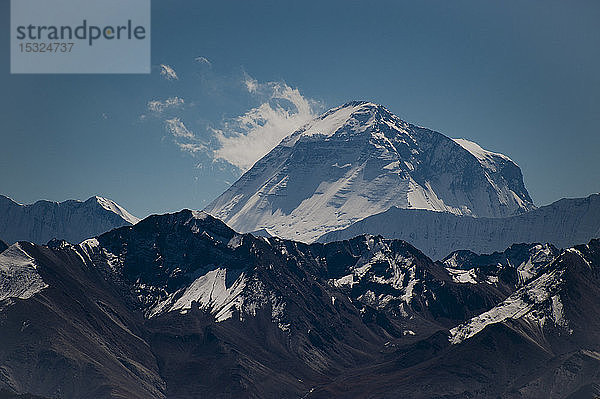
(181, 306)
(70, 220)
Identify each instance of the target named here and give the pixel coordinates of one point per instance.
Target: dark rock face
(523, 356)
(181, 306)
(75, 338)
(3, 246)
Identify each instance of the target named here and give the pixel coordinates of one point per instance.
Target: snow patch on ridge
(345, 281)
(519, 304)
(578, 253)
(210, 292)
(18, 274)
(463, 276)
(199, 215)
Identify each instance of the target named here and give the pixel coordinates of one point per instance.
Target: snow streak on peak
(112, 206)
(482, 155)
(537, 302)
(328, 123)
(210, 292)
(522, 303)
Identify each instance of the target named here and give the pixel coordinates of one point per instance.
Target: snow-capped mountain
(563, 223)
(181, 306)
(359, 159)
(70, 220)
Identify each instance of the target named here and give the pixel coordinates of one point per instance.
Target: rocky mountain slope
(70, 220)
(181, 306)
(541, 342)
(563, 223)
(358, 160)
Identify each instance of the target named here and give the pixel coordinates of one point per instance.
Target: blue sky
(517, 77)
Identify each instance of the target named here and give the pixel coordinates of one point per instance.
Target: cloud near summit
(278, 110)
(248, 137)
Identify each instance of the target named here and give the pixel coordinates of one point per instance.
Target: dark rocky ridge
(511, 359)
(298, 326)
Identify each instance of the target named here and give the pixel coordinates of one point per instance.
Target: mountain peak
(186, 220)
(112, 206)
(360, 159)
(354, 118)
(364, 106)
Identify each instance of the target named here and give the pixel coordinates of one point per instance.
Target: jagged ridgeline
(181, 306)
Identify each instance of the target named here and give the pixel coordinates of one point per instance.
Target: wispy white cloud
(184, 138)
(168, 72)
(176, 127)
(158, 106)
(250, 83)
(240, 141)
(247, 138)
(203, 60)
(191, 147)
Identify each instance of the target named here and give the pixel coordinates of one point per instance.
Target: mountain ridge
(290, 319)
(72, 220)
(563, 223)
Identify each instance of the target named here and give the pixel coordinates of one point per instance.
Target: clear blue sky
(517, 77)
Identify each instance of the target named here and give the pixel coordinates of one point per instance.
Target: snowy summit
(358, 160)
